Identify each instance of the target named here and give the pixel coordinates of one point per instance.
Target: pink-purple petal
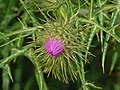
(54, 47)
(57, 52)
(49, 46)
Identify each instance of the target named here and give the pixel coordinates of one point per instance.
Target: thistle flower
(61, 59)
(54, 47)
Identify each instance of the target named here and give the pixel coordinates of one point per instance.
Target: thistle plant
(58, 36)
(63, 66)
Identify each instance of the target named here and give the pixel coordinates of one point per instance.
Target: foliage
(89, 29)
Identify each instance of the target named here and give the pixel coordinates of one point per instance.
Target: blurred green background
(22, 70)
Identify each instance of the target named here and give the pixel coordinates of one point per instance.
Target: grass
(90, 30)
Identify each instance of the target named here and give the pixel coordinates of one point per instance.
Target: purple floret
(54, 47)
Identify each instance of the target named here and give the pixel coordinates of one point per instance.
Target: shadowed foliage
(88, 29)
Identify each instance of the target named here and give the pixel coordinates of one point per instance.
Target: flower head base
(54, 46)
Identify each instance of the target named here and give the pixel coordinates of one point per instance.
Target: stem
(113, 18)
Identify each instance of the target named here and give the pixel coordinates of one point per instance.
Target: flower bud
(54, 46)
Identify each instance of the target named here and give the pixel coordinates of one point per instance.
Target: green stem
(92, 34)
(101, 23)
(91, 10)
(105, 47)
